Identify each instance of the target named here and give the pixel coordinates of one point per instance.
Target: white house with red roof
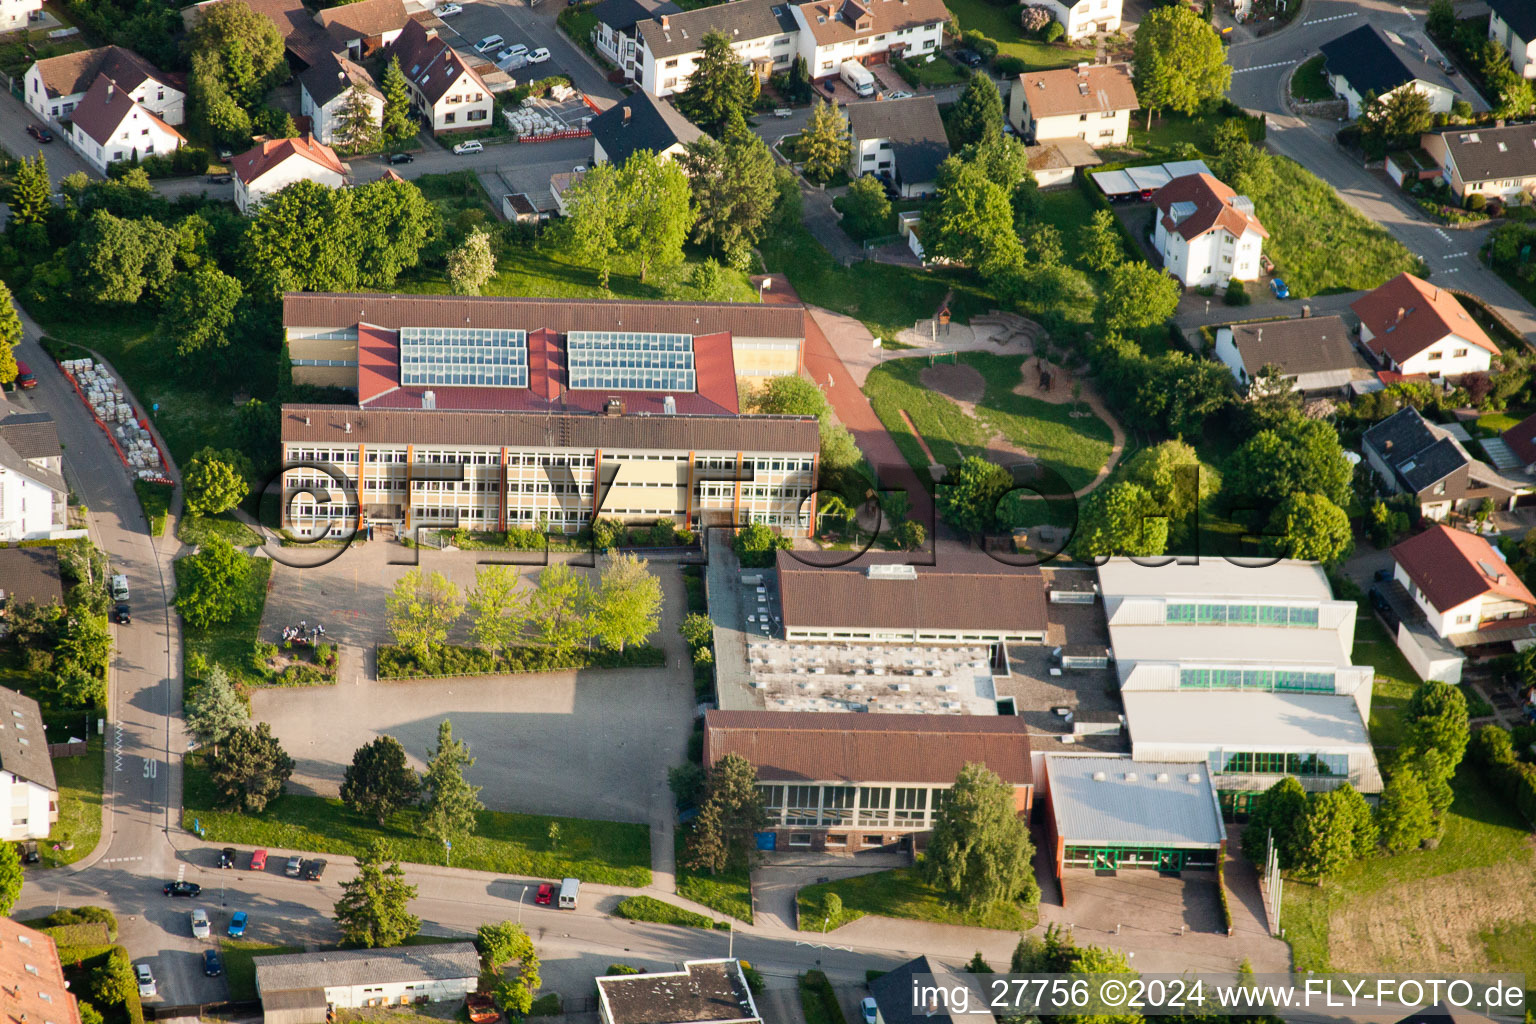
(1412, 327)
(55, 86)
(446, 92)
(1206, 233)
(110, 125)
(278, 163)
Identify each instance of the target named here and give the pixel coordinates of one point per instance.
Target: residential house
(1414, 327)
(275, 164)
(17, 14)
(1371, 61)
(32, 977)
(699, 992)
(636, 122)
(1092, 102)
(1085, 17)
(29, 576)
(560, 184)
(615, 34)
(325, 91)
(768, 34)
(895, 1002)
(1497, 161)
(365, 27)
(1056, 162)
(448, 94)
(27, 785)
(1206, 233)
(109, 125)
(1246, 668)
(302, 988)
(1315, 354)
(902, 140)
(1411, 455)
(57, 85)
(34, 500)
(880, 598)
(1114, 814)
(849, 782)
(1512, 24)
(1521, 441)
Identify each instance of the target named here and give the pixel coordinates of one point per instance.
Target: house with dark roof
(1512, 24)
(326, 89)
(1497, 161)
(895, 1004)
(1372, 62)
(446, 93)
(1466, 591)
(615, 34)
(27, 783)
(273, 165)
(1089, 102)
(363, 28)
(303, 988)
(1414, 327)
(698, 992)
(902, 140)
(1315, 355)
(1411, 455)
(29, 576)
(33, 496)
(109, 125)
(55, 86)
(636, 122)
(1206, 233)
(847, 782)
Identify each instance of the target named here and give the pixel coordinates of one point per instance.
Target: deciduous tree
(251, 770)
(505, 943)
(1299, 456)
(452, 804)
(967, 495)
(723, 833)
(421, 610)
(1179, 61)
(658, 210)
(214, 710)
(248, 48)
(393, 222)
(210, 584)
(1172, 474)
(1311, 528)
(980, 851)
(380, 781)
(213, 482)
(1121, 519)
(627, 605)
(790, 395)
(596, 219)
(498, 607)
(303, 238)
(373, 911)
(971, 221)
(113, 983)
(755, 546)
(10, 877)
(561, 608)
(199, 309)
(471, 264)
(1098, 246)
(1136, 296)
(214, 108)
(733, 193)
(866, 210)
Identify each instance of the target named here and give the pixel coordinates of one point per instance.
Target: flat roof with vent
(1121, 802)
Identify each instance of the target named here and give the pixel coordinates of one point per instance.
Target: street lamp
(520, 900)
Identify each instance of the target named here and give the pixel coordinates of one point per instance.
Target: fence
(241, 1008)
(76, 749)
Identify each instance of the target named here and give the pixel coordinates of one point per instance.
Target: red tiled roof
(1407, 315)
(31, 978)
(106, 106)
(1213, 208)
(1521, 439)
(1452, 567)
(252, 164)
(821, 746)
(1097, 89)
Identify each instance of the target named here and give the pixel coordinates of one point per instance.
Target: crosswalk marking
(1454, 255)
(1333, 17)
(1264, 67)
(119, 860)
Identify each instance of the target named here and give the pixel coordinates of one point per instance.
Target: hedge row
(452, 660)
(648, 908)
(1221, 887)
(1493, 751)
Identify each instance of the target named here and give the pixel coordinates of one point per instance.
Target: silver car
(146, 980)
(199, 923)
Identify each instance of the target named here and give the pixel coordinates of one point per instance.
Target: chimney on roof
(347, 427)
(613, 407)
(1388, 446)
(1306, 311)
(666, 22)
(1499, 123)
(626, 115)
(429, 399)
(669, 405)
(1401, 312)
(110, 88)
(306, 421)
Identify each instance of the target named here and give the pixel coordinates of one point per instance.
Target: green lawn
(240, 964)
(729, 892)
(1395, 680)
(196, 530)
(1492, 424)
(649, 908)
(601, 852)
(1001, 25)
(79, 780)
(1077, 447)
(1310, 82)
(938, 72)
(1167, 132)
(230, 643)
(902, 893)
(156, 502)
(1319, 243)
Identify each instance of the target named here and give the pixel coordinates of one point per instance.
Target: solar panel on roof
(476, 357)
(630, 361)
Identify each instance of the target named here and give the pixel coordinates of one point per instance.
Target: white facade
(466, 104)
(1109, 128)
(1463, 618)
(294, 168)
(1086, 17)
(1451, 356)
(669, 75)
(14, 14)
(326, 118)
(1440, 97)
(29, 510)
(916, 42)
(166, 102)
(137, 136)
(1213, 258)
(32, 808)
(1522, 54)
(399, 992)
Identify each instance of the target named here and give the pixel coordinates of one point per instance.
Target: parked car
(970, 58)
(1383, 576)
(870, 1011)
(515, 50)
(448, 10)
(472, 146)
(226, 156)
(227, 857)
(39, 133)
(314, 870)
(544, 895)
(492, 42)
(539, 56)
(899, 94)
(482, 1010)
(146, 979)
(213, 965)
(29, 853)
(237, 925)
(221, 179)
(118, 587)
(295, 865)
(401, 158)
(122, 615)
(25, 378)
(259, 860)
(199, 919)
(189, 889)
(1279, 288)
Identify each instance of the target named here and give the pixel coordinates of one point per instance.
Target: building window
(802, 803)
(1459, 353)
(911, 806)
(874, 840)
(837, 805)
(449, 118)
(671, 63)
(799, 839)
(1462, 620)
(1435, 354)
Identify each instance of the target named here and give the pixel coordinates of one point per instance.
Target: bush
(396, 663)
(648, 908)
(1477, 202)
(1236, 294)
(1053, 32)
(980, 43)
(547, 1005)
(80, 915)
(1008, 66)
(1034, 17)
(1493, 751)
(754, 979)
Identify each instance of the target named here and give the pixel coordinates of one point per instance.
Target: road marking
(117, 747)
(1454, 256)
(151, 768)
(1335, 17)
(1407, 12)
(120, 860)
(1451, 270)
(1442, 234)
(1265, 67)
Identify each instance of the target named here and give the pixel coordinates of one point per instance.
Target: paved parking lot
(583, 744)
(534, 27)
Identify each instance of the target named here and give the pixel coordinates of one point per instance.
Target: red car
(546, 893)
(25, 378)
(259, 860)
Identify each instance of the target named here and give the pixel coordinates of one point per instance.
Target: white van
(570, 889)
(859, 78)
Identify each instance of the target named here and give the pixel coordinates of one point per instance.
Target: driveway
(581, 744)
(534, 27)
(14, 119)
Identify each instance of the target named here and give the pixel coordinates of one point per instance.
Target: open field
(902, 893)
